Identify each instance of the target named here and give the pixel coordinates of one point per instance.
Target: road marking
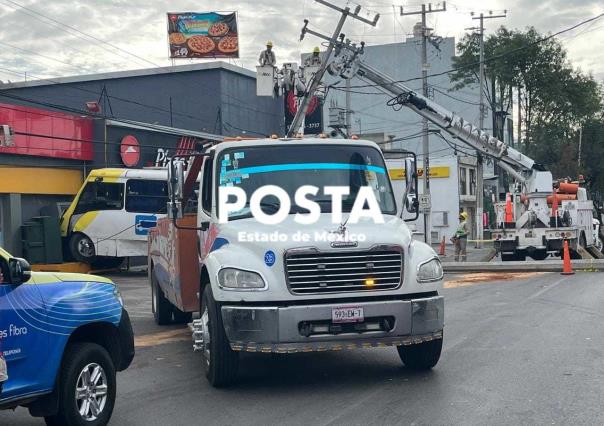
(162, 338)
(489, 277)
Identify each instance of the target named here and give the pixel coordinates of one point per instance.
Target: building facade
(66, 127)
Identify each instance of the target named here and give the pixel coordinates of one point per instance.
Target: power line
(492, 58)
(50, 58)
(63, 25)
(74, 110)
(453, 97)
(73, 86)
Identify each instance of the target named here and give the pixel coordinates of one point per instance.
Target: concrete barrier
(591, 265)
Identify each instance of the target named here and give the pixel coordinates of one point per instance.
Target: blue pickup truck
(62, 339)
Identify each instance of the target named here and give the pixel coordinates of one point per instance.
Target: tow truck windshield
(318, 165)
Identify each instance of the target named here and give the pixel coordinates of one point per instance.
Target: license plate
(347, 314)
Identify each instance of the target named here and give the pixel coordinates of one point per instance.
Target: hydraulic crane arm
(513, 161)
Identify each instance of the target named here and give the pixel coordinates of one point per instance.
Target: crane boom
(513, 161)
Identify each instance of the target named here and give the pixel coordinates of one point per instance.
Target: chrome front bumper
(279, 328)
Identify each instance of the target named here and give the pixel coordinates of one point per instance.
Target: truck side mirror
(176, 179)
(19, 270)
(411, 201)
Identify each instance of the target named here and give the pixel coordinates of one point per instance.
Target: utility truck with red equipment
(290, 263)
(530, 225)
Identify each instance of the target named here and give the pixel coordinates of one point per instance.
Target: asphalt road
(522, 349)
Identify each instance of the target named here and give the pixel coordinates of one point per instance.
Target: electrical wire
(492, 58)
(455, 98)
(72, 110)
(62, 26)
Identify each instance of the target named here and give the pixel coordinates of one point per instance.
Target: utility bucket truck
(297, 246)
(530, 226)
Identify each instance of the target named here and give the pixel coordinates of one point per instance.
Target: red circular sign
(130, 151)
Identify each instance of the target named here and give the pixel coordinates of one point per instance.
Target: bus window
(146, 196)
(100, 196)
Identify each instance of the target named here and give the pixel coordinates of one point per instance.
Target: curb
(590, 265)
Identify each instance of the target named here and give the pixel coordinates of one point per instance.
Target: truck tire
(539, 254)
(421, 356)
(161, 307)
(520, 255)
(88, 373)
(81, 248)
(508, 257)
(220, 362)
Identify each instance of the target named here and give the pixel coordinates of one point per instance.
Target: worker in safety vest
(267, 57)
(315, 59)
(460, 239)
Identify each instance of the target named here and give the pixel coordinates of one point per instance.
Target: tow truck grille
(344, 271)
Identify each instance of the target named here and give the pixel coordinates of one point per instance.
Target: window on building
(100, 196)
(146, 196)
(472, 181)
(463, 181)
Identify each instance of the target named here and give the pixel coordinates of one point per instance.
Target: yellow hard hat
(316, 50)
(269, 44)
(463, 215)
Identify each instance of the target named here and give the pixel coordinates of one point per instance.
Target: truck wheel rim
(91, 392)
(205, 331)
(85, 248)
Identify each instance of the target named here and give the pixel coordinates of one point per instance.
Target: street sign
(425, 203)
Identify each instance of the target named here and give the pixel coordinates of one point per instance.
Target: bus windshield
(290, 167)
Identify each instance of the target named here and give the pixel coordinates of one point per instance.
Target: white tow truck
(533, 228)
(336, 282)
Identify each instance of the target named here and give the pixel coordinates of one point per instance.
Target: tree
(555, 99)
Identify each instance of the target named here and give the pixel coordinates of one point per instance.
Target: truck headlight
(240, 279)
(429, 271)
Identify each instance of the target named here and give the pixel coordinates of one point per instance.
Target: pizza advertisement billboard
(203, 35)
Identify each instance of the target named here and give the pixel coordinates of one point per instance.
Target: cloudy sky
(51, 38)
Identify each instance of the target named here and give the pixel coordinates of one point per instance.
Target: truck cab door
(208, 231)
(23, 340)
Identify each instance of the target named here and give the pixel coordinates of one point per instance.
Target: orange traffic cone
(567, 268)
(441, 252)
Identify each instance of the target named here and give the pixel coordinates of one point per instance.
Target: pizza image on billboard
(203, 35)
(219, 29)
(228, 45)
(201, 44)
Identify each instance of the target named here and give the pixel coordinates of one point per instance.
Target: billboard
(203, 35)
(313, 121)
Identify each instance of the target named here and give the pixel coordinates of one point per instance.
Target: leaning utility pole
(425, 139)
(316, 80)
(479, 159)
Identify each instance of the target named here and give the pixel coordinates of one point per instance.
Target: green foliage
(555, 99)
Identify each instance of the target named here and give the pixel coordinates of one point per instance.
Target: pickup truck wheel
(219, 360)
(81, 248)
(86, 387)
(421, 356)
(161, 307)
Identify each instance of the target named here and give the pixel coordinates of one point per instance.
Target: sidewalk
(484, 254)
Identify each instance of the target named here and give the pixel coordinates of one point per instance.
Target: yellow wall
(435, 172)
(39, 180)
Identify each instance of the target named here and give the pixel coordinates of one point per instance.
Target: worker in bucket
(314, 59)
(460, 239)
(267, 57)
